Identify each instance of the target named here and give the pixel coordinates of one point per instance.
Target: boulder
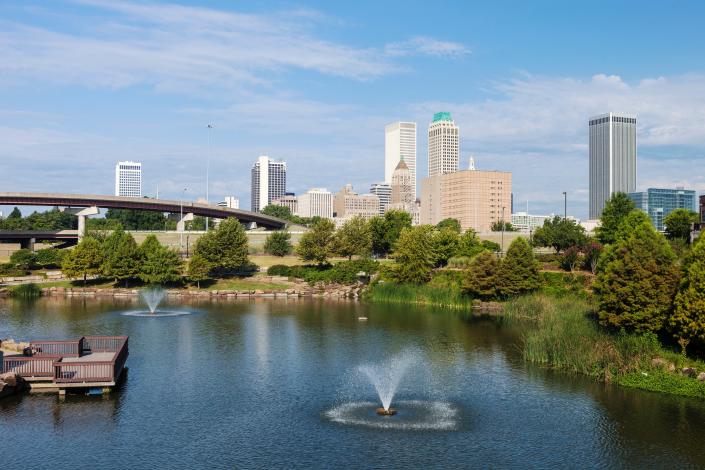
(689, 371)
(701, 376)
(659, 363)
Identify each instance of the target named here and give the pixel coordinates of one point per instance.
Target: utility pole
(208, 167)
(565, 205)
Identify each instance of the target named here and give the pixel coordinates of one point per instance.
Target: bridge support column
(181, 224)
(82, 215)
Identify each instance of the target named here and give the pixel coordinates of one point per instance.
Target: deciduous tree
(353, 238)
(159, 264)
(414, 255)
(198, 269)
(559, 234)
(688, 319)
(225, 248)
(317, 244)
(450, 223)
(678, 224)
(616, 210)
(278, 243)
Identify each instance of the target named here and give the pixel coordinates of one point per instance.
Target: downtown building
(403, 195)
(348, 204)
(400, 144)
(659, 202)
(230, 202)
(384, 192)
(288, 200)
(268, 182)
(316, 202)
(612, 148)
(128, 179)
(702, 209)
(475, 198)
(443, 145)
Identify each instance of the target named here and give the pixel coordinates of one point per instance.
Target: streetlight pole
(208, 167)
(181, 221)
(565, 205)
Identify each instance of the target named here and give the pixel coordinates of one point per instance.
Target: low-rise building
(230, 202)
(475, 198)
(347, 203)
(525, 222)
(316, 202)
(287, 200)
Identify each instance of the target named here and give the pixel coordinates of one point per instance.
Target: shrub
(279, 270)
(50, 257)
(24, 259)
(519, 270)
(570, 258)
(26, 291)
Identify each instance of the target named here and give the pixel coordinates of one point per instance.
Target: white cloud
(427, 46)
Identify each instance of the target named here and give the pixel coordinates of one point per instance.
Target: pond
(291, 384)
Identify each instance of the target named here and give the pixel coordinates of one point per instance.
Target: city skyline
(521, 105)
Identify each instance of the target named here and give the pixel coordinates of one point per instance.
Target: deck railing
(95, 371)
(30, 366)
(67, 348)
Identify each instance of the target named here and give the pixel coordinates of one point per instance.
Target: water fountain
(153, 296)
(410, 369)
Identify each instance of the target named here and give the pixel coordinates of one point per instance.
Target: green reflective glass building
(658, 203)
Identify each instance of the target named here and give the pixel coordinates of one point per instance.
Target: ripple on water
(157, 314)
(412, 415)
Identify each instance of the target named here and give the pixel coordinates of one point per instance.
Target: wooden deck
(90, 362)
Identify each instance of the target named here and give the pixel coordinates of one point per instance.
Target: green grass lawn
(247, 283)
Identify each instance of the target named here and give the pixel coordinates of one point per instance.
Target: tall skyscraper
(659, 202)
(128, 179)
(316, 202)
(384, 192)
(612, 158)
(443, 145)
(399, 142)
(268, 182)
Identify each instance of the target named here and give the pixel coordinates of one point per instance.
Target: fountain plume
(386, 376)
(152, 297)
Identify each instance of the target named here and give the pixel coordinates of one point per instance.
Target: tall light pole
(181, 220)
(503, 224)
(565, 205)
(208, 167)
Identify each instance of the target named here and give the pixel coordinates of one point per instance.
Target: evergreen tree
(445, 245)
(481, 277)
(15, 214)
(354, 238)
(450, 223)
(635, 289)
(616, 210)
(224, 248)
(278, 243)
(678, 224)
(198, 269)
(84, 260)
(519, 270)
(124, 263)
(159, 264)
(688, 319)
(414, 255)
(317, 244)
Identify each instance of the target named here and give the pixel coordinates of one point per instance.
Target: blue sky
(86, 83)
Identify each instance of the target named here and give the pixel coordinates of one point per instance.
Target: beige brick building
(474, 197)
(347, 203)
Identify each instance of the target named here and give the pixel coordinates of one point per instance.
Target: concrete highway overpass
(88, 201)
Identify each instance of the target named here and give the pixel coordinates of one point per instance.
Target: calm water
(276, 384)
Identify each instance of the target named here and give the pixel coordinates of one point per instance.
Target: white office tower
(316, 202)
(268, 182)
(128, 179)
(612, 158)
(399, 142)
(230, 202)
(384, 192)
(443, 145)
